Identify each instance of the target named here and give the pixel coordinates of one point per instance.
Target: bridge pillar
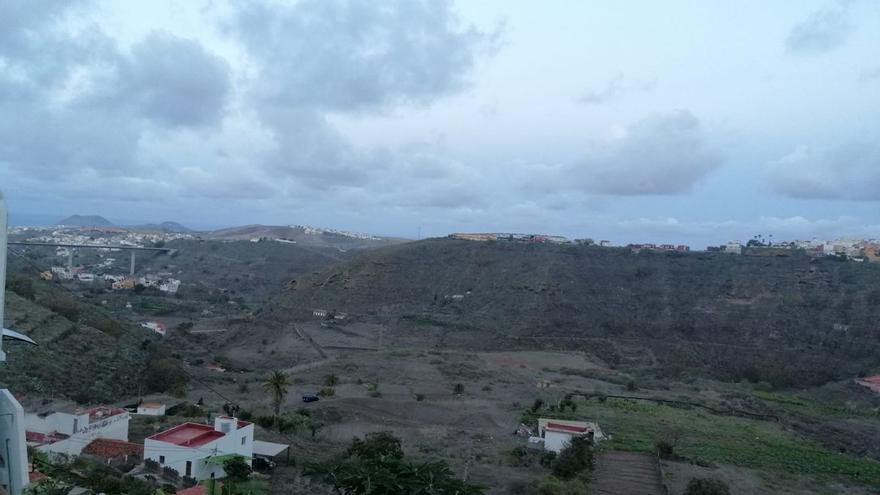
(131, 271)
(70, 257)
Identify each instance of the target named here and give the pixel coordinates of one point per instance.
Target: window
(243, 440)
(161, 459)
(189, 468)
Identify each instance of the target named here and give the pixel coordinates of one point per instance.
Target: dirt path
(626, 473)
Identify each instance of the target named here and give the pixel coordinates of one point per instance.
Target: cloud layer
(844, 172)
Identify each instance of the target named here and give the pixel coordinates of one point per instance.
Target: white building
(169, 285)
(67, 433)
(86, 277)
(733, 247)
(194, 449)
(151, 409)
(155, 326)
(557, 433)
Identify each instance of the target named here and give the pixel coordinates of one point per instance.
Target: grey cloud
(821, 32)
(175, 81)
(664, 154)
(346, 55)
(843, 172)
(616, 87)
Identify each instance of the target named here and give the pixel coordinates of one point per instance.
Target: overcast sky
(686, 121)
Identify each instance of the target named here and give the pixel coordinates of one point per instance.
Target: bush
(326, 392)
(631, 386)
(376, 445)
(458, 389)
(237, 469)
(665, 449)
(152, 466)
(576, 458)
(331, 380)
(706, 486)
(537, 405)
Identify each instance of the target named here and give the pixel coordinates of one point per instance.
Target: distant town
(858, 250)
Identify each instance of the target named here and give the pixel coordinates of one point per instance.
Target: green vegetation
(376, 466)
(638, 426)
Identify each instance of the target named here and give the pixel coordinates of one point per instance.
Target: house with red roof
(110, 451)
(68, 429)
(557, 433)
(198, 450)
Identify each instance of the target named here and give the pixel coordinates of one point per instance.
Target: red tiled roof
(564, 427)
(110, 449)
(37, 437)
(188, 435)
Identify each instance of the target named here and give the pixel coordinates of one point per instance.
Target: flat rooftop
(188, 435)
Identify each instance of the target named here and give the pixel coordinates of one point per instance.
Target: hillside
(86, 221)
(83, 354)
(252, 270)
(789, 321)
(308, 236)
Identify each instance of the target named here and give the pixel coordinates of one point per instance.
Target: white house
(151, 409)
(169, 285)
(557, 433)
(195, 450)
(61, 432)
(156, 326)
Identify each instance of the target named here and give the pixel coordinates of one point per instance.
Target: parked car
(311, 398)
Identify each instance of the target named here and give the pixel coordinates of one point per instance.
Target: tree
(376, 466)
(331, 380)
(574, 459)
(277, 385)
(166, 375)
(237, 470)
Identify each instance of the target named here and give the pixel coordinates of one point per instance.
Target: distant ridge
(304, 235)
(167, 226)
(87, 221)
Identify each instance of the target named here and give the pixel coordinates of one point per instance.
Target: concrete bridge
(133, 249)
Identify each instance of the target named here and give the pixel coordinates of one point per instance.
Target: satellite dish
(12, 335)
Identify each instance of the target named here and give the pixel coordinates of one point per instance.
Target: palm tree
(277, 385)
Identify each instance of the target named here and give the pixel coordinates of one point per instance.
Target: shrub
(458, 389)
(327, 392)
(706, 486)
(331, 380)
(537, 405)
(170, 473)
(237, 469)
(376, 445)
(151, 465)
(420, 397)
(665, 449)
(576, 458)
(631, 386)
